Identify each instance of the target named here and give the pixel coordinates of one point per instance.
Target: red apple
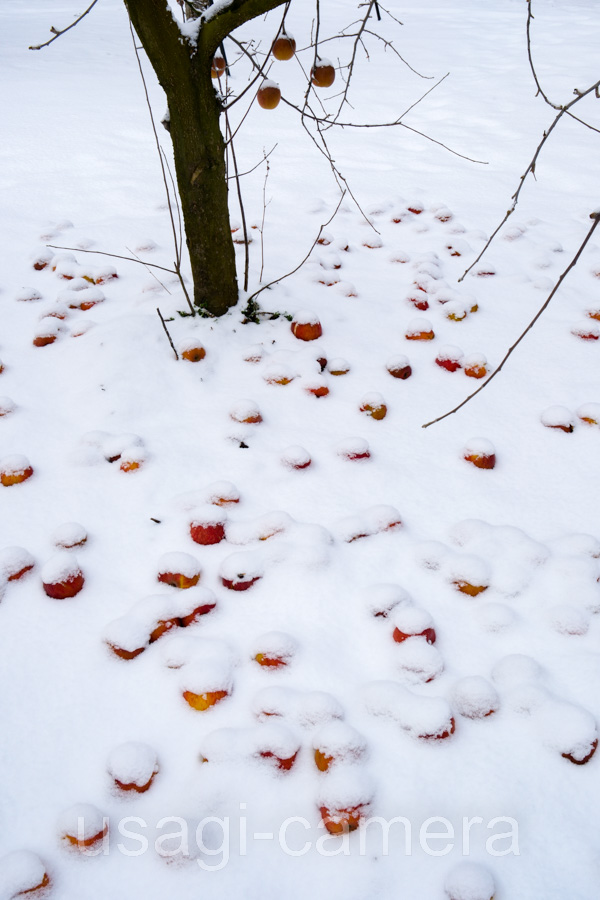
(341, 821)
(284, 47)
(322, 73)
(207, 533)
(306, 326)
(268, 95)
(218, 66)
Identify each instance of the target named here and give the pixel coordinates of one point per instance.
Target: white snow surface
(132, 763)
(80, 170)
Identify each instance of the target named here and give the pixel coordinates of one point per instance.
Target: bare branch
(164, 175)
(57, 33)
(164, 325)
(596, 217)
(114, 256)
(300, 264)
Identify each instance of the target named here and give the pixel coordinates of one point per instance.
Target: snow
(7, 406)
(60, 567)
(340, 741)
(474, 697)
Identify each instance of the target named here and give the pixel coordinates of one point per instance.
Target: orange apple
(202, 702)
(284, 47)
(322, 73)
(268, 95)
(322, 761)
(341, 821)
(475, 365)
(246, 412)
(428, 634)
(472, 590)
(125, 654)
(42, 340)
(194, 354)
(178, 580)
(559, 418)
(317, 390)
(15, 470)
(218, 65)
(589, 413)
(241, 585)
(270, 661)
(481, 453)
(283, 764)
(420, 330)
(86, 842)
(372, 404)
(306, 326)
(130, 465)
(44, 883)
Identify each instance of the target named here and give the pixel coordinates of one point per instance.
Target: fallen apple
(15, 470)
(62, 577)
(179, 570)
(202, 702)
(399, 367)
(481, 453)
(373, 405)
(306, 326)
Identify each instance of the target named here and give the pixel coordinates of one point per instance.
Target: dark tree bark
(198, 145)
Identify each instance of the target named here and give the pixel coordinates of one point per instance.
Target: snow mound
(474, 697)
(14, 562)
(20, 872)
(61, 567)
(68, 535)
(470, 881)
(381, 599)
(418, 661)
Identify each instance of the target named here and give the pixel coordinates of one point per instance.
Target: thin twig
(114, 255)
(241, 202)
(259, 163)
(150, 272)
(164, 175)
(530, 170)
(164, 325)
(58, 33)
(262, 224)
(596, 217)
(300, 264)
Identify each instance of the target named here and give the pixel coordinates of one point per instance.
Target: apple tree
(182, 55)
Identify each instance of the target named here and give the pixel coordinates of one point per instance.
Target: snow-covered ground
(343, 553)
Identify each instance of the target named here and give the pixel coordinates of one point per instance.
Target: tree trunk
(198, 145)
(199, 151)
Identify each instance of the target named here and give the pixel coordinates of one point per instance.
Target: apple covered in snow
(475, 365)
(589, 413)
(62, 576)
(208, 525)
(14, 563)
(191, 349)
(475, 698)
(306, 326)
(15, 469)
(277, 744)
(180, 570)
(336, 742)
(419, 330)
(296, 457)
(470, 881)
(240, 571)
(399, 367)
(206, 682)
(480, 452)
(82, 825)
(274, 650)
(353, 448)
(344, 799)
(558, 417)
(246, 412)
(22, 872)
(449, 357)
(132, 766)
(412, 621)
(69, 535)
(373, 405)
(381, 599)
